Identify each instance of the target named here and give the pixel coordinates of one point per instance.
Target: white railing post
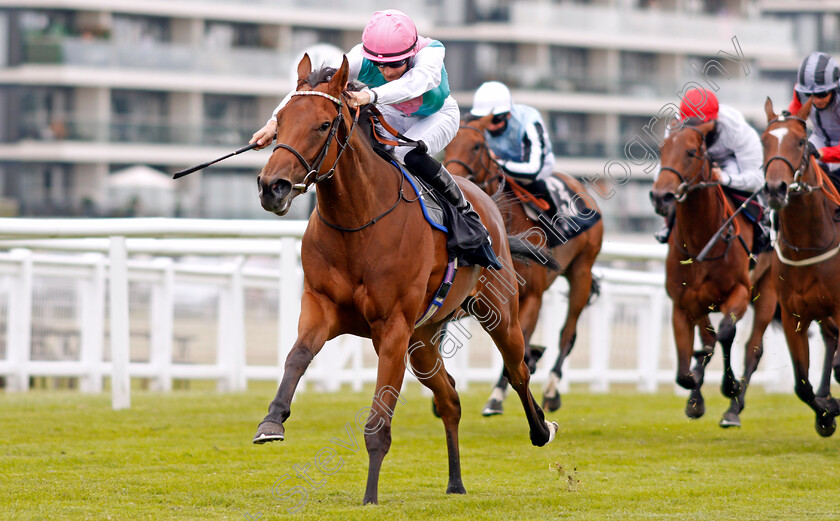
(650, 341)
(92, 297)
(120, 379)
(231, 338)
(19, 326)
(291, 287)
(161, 328)
(599, 320)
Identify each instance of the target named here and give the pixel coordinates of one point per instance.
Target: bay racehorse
(721, 282)
(372, 265)
(806, 261)
(468, 155)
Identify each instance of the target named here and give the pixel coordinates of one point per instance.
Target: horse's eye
(477, 147)
(324, 126)
(802, 142)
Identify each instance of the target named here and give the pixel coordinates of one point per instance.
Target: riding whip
(716, 236)
(182, 173)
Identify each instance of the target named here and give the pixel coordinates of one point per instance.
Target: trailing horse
(372, 265)
(469, 156)
(721, 282)
(806, 262)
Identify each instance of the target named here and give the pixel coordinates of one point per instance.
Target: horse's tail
(524, 251)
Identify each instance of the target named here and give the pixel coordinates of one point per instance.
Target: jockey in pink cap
(406, 79)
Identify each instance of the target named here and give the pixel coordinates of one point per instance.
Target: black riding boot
(438, 177)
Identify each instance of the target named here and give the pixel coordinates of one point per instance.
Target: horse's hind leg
(764, 307)
(829, 330)
(579, 276)
(314, 330)
(426, 364)
(829, 336)
(695, 407)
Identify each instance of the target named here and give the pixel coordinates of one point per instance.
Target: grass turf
(624, 455)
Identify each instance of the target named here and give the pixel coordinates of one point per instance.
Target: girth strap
(440, 295)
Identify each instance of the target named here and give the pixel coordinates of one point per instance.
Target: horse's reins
(312, 170)
(518, 190)
(687, 186)
(799, 187)
(319, 160)
(472, 175)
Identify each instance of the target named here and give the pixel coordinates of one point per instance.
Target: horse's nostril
(281, 188)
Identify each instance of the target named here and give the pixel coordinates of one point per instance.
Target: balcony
(158, 57)
(72, 129)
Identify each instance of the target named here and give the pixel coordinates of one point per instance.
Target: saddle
(549, 202)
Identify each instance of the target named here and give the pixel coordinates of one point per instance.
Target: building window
(229, 120)
(140, 116)
(570, 135)
(141, 30)
(46, 113)
(569, 66)
(226, 35)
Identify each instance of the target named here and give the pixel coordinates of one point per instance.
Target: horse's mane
(325, 74)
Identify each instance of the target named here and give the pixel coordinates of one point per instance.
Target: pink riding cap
(389, 36)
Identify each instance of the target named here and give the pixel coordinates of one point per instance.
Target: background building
(89, 88)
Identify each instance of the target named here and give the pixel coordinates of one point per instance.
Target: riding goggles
(391, 65)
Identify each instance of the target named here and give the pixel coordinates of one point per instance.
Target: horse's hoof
(826, 429)
(456, 489)
(730, 388)
(492, 407)
(695, 408)
(551, 403)
(434, 409)
(553, 427)
(730, 419)
(269, 431)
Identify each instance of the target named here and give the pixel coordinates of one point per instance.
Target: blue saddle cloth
(432, 210)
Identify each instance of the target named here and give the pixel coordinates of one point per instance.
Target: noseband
(312, 176)
(687, 185)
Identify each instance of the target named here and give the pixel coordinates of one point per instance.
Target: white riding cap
(492, 97)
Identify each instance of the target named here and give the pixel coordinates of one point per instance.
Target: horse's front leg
(529, 313)
(314, 329)
(796, 334)
(695, 407)
(683, 328)
(733, 309)
(390, 338)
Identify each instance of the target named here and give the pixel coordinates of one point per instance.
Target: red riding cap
(699, 103)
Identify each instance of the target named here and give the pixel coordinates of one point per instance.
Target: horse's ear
(304, 68)
(706, 127)
(805, 110)
(768, 110)
(484, 121)
(338, 83)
